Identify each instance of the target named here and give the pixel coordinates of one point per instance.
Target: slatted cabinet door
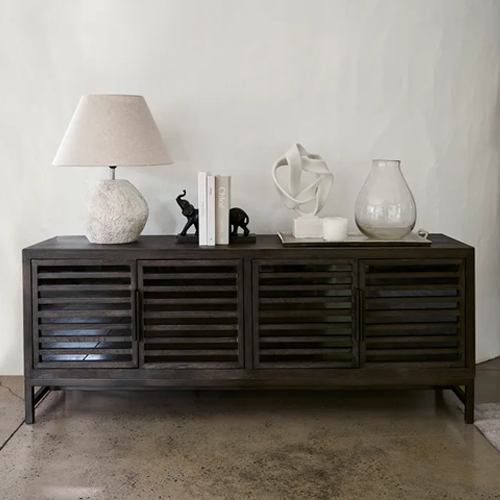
(305, 314)
(412, 313)
(191, 314)
(83, 314)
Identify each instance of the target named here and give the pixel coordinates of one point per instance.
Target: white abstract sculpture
(308, 225)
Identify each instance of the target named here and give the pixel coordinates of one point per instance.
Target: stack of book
(214, 202)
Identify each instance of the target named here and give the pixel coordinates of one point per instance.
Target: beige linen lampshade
(113, 131)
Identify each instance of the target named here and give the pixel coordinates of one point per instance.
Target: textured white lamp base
(308, 227)
(117, 212)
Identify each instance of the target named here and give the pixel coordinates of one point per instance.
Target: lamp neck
(112, 173)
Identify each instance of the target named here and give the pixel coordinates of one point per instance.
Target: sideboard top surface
(265, 242)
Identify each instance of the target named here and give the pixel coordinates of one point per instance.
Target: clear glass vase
(385, 207)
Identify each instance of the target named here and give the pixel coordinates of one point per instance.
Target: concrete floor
(264, 446)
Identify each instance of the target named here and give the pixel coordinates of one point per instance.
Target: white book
(222, 205)
(210, 210)
(202, 208)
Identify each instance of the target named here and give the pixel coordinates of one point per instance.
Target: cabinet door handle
(136, 315)
(361, 314)
(356, 312)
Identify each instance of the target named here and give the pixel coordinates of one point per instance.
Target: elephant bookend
(237, 219)
(191, 215)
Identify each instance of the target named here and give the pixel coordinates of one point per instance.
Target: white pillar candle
(334, 228)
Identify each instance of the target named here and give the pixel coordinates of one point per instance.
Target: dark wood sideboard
(155, 314)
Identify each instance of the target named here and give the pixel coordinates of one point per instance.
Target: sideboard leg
(31, 399)
(466, 394)
(469, 403)
(438, 396)
(29, 404)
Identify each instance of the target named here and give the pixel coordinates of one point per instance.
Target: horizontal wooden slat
(306, 300)
(305, 352)
(304, 275)
(79, 262)
(195, 288)
(85, 364)
(306, 338)
(277, 288)
(158, 336)
(325, 321)
(418, 320)
(156, 264)
(396, 275)
(412, 319)
(189, 276)
(84, 326)
(83, 338)
(82, 288)
(411, 352)
(189, 314)
(346, 327)
(85, 351)
(192, 352)
(191, 301)
(85, 313)
(157, 328)
(316, 364)
(402, 327)
(439, 263)
(389, 301)
(82, 274)
(304, 313)
(413, 287)
(413, 313)
(192, 340)
(373, 342)
(152, 364)
(324, 332)
(380, 363)
(84, 300)
(337, 263)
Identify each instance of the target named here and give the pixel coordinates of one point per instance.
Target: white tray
(356, 240)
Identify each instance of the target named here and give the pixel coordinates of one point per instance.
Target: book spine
(223, 202)
(211, 210)
(202, 208)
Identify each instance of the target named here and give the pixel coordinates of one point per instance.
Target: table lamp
(113, 131)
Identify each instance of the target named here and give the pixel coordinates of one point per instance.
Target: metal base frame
(32, 398)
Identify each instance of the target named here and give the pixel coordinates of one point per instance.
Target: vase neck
(386, 164)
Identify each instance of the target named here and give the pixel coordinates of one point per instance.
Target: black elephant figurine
(188, 211)
(238, 218)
